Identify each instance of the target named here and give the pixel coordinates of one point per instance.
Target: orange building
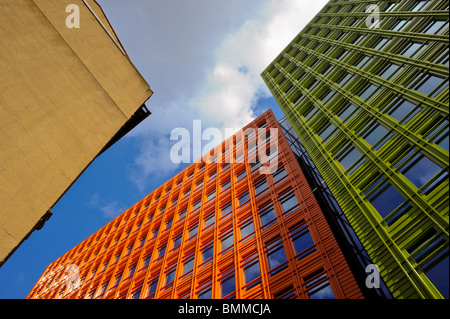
(215, 230)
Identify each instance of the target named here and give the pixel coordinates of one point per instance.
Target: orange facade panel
(215, 230)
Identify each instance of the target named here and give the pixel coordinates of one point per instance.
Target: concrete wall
(64, 93)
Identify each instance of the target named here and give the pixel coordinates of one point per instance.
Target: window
(302, 241)
(152, 287)
(146, 260)
(188, 265)
(227, 242)
(276, 255)
(209, 220)
(226, 185)
(193, 231)
(241, 175)
(132, 270)
(374, 135)
(286, 293)
(207, 254)
(363, 61)
(267, 215)
(261, 185)
(401, 109)
(137, 293)
(170, 276)
(430, 252)
(344, 79)
(347, 113)
(211, 195)
(318, 285)
(169, 223)
(419, 5)
(251, 272)
(289, 202)
(368, 92)
(400, 25)
(197, 204)
(118, 278)
(390, 71)
(199, 183)
(381, 43)
(431, 84)
(206, 294)
(162, 251)
(226, 209)
(385, 199)
(420, 170)
(244, 198)
(182, 214)
(350, 157)
(247, 229)
(323, 291)
(227, 286)
(412, 49)
(325, 132)
(279, 175)
(436, 27)
(177, 241)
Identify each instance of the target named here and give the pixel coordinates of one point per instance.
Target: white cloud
(203, 60)
(235, 85)
(109, 209)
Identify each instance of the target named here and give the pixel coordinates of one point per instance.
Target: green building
(365, 87)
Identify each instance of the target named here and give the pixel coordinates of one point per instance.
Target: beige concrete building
(66, 94)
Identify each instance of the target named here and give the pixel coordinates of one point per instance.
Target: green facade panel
(365, 86)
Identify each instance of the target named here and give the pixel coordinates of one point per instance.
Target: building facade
(365, 87)
(61, 105)
(221, 228)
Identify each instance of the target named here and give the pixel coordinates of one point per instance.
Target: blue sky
(203, 60)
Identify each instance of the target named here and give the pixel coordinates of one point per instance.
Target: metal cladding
(218, 229)
(365, 87)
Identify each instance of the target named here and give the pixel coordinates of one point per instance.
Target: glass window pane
(279, 175)
(276, 257)
(153, 285)
(205, 294)
(302, 242)
(247, 229)
(188, 265)
(227, 241)
(402, 109)
(225, 210)
(193, 231)
(170, 277)
(422, 171)
(261, 185)
(429, 85)
(227, 286)
(375, 135)
(289, 203)
(267, 215)
(387, 200)
(244, 198)
(350, 158)
(207, 253)
(323, 291)
(251, 272)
